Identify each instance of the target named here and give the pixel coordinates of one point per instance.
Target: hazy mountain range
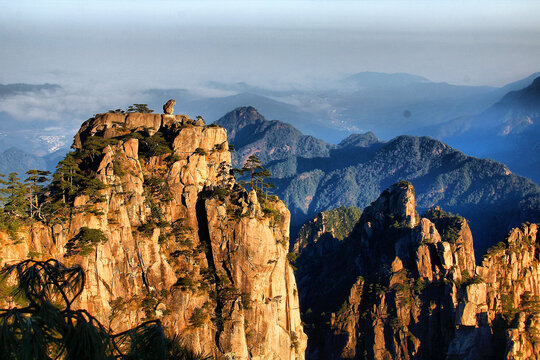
(387, 104)
(508, 131)
(312, 175)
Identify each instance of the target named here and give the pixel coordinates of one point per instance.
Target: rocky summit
(402, 286)
(146, 206)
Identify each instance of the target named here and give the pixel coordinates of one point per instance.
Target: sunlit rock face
(184, 242)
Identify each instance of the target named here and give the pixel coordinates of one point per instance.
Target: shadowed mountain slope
(508, 131)
(322, 176)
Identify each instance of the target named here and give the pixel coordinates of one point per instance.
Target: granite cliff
(146, 206)
(408, 287)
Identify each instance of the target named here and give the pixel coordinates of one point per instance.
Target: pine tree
(35, 181)
(15, 195)
(225, 179)
(252, 167)
(257, 175)
(66, 176)
(260, 180)
(139, 108)
(3, 197)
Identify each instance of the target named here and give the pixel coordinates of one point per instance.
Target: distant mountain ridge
(15, 160)
(272, 140)
(19, 161)
(508, 131)
(387, 104)
(370, 79)
(313, 179)
(14, 89)
(212, 108)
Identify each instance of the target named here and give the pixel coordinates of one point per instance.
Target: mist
(141, 44)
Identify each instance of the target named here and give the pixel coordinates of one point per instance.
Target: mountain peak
(359, 140)
(251, 133)
(398, 200)
(156, 187)
(245, 113)
(242, 115)
(527, 98)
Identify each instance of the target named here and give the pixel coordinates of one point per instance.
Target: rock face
(405, 287)
(327, 228)
(184, 242)
(168, 108)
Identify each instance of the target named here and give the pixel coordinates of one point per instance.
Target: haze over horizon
(145, 44)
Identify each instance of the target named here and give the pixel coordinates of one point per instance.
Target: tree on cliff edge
(139, 108)
(258, 176)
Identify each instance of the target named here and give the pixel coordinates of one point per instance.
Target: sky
(104, 52)
(140, 43)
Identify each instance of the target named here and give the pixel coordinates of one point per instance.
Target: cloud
(66, 108)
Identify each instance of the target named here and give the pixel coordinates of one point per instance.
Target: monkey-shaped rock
(168, 108)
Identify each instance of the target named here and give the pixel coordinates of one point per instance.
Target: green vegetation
(154, 145)
(198, 317)
(158, 187)
(225, 181)
(201, 151)
(221, 193)
(172, 159)
(530, 303)
(313, 177)
(257, 176)
(509, 311)
(185, 282)
(139, 108)
(85, 242)
(341, 220)
(35, 181)
(448, 224)
(21, 201)
(269, 211)
(181, 232)
(13, 204)
(135, 108)
(500, 246)
(291, 257)
(419, 286)
(405, 183)
(75, 175)
(295, 344)
(337, 223)
(395, 323)
(257, 179)
(47, 327)
(14, 196)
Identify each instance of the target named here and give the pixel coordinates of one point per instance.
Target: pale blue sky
(183, 43)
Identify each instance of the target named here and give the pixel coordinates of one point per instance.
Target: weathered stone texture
(240, 259)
